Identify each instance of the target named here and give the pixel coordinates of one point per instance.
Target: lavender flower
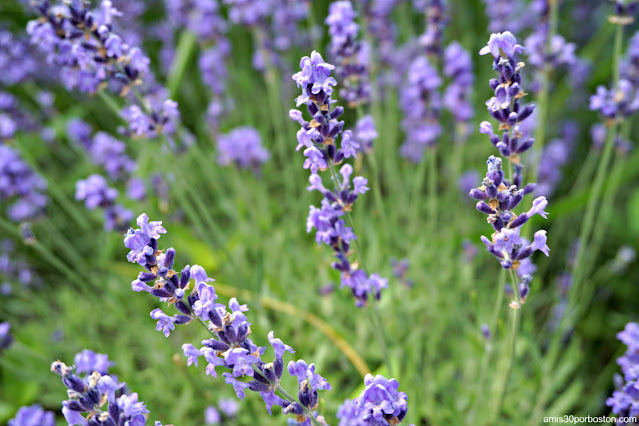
(420, 103)
(94, 57)
(243, 147)
(18, 181)
(33, 415)
(230, 348)
(95, 193)
(319, 137)
(365, 133)
(88, 361)
(350, 55)
(89, 394)
(625, 400)
(379, 404)
(616, 103)
(505, 105)
(431, 40)
(110, 153)
(212, 416)
(498, 202)
(459, 67)
(506, 15)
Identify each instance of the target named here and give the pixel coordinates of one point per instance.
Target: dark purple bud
(304, 395)
(493, 83)
(477, 194)
(512, 118)
(523, 291)
(339, 156)
(169, 257)
(503, 149)
(146, 276)
(278, 367)
(269, 373)
(160, 292)
(524, 146)
(231, 335)
(312, 109)
(181, 306)
(185, 276)
(114, 411)
(75, 405)
(506, 264)
(214, 317)
(181, 319)
(74, 382)
(293, 408)
(529, 188)
(524, 253)
(242, 332)
(521, 219)
(256, 386)
(525, 113)
(336, 112)
(515, 199)
(216, 345)
(260, 377)
(485, 208)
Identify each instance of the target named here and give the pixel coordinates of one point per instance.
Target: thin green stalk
(46, 254)
(68, 206)
(432, 188)
(499, 300)
(378, 330)
(584, 236)
(512, 353)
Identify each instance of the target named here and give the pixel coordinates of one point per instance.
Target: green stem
(501, 393)
(46, 254)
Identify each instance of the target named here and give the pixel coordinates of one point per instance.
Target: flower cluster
(318, 136)
(383, 31)
(88, 395)
(350, 55)
(243, 147)
(420, 102)
(379, 404)
(625, 400)
(554, 155)
(431, 40)
(506, 15)
(505, 105)
(96, 193)
(93, 56)
(616, 103)
(82, 41)
(230, 347)
(458, 66)
(18, 180)
(33, 415)
(226, 409)
(498, 202)
(400, 269)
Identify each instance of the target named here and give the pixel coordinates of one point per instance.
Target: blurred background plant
(79, 161)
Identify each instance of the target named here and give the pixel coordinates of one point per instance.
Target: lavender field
(314, 212)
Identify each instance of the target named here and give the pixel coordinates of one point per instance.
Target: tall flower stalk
(319, 138)
(499, 197)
